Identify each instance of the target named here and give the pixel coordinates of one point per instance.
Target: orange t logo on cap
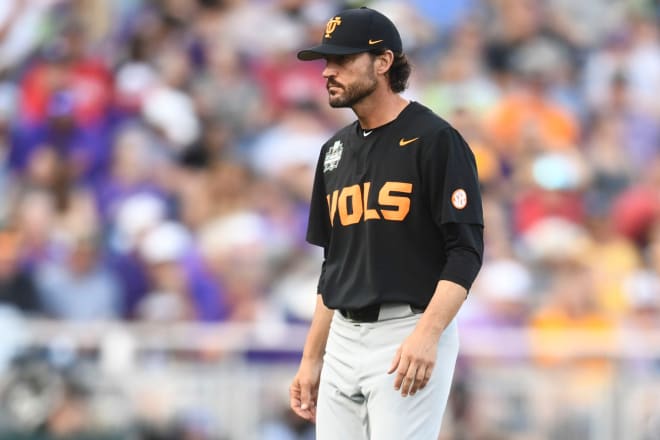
(331, 26)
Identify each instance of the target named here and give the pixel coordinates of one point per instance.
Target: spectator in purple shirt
(84, 149)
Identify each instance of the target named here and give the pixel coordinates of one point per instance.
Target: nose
(329, 70)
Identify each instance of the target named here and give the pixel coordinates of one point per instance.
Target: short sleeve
(318, 226)
(451, 181)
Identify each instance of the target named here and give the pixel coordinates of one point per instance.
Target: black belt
(368, 313)
(365, 314)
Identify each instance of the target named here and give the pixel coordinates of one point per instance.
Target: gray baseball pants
(357, 399)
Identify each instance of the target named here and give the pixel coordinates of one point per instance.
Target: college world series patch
(333, 156)
(459, 199)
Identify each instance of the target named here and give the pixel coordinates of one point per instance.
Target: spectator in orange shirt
(527, 118)
(571, 339)
(570, 328)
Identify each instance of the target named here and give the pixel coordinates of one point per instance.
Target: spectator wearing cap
(131, 221)
(169, 299)
(501, 302)
(551, 186)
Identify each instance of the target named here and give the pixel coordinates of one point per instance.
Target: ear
(384, 62)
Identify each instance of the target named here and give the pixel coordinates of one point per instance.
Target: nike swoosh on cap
(372, 42)
(403, 142)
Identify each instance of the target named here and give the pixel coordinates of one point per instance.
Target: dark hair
(399, 71)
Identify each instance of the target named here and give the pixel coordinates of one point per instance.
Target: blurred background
(156, 160)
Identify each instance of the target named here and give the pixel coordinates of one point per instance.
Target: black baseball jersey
(381, 205)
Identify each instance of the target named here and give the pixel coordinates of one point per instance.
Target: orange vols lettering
(353, 192)
(402, 204)
(369, 213)
(332, 204)
(352, 203)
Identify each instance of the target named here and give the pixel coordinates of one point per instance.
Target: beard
(353, 93)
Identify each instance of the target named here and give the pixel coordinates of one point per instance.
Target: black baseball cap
(354, 31)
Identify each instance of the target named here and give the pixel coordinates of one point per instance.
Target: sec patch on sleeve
(459, 199)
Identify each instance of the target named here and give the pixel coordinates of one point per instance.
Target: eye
(340, 60)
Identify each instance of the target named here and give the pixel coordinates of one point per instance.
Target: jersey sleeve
(464, 247)
(318, 226)
(451, 181)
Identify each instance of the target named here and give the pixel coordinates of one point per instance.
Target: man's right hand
(304, 390)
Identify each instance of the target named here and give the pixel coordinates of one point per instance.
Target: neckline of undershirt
(362, 131)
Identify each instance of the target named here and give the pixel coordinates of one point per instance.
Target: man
(397, 209)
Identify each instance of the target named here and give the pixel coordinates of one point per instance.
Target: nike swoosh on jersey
(372, 42)
(403, 142)
(367, 133)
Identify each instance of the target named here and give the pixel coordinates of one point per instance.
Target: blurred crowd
(156, 157)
